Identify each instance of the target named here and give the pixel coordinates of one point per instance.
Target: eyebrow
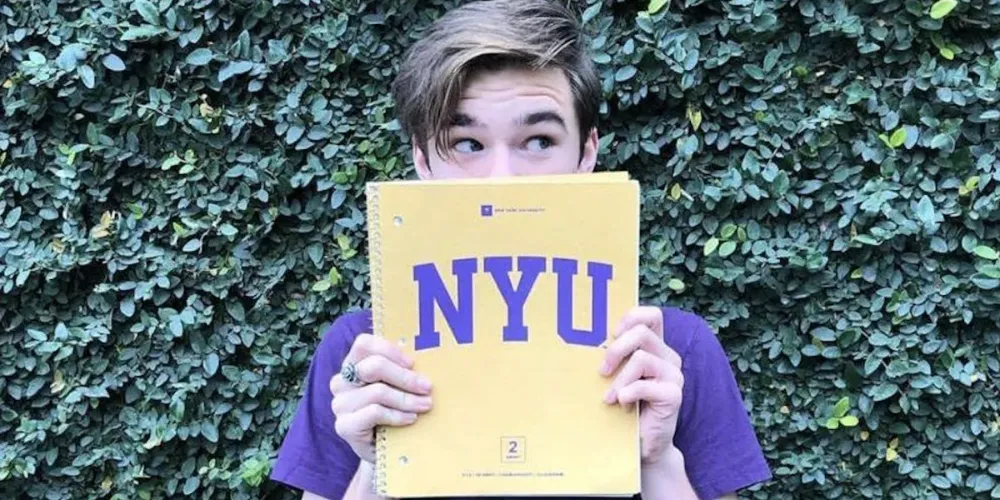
(464, 120)
(541, 117)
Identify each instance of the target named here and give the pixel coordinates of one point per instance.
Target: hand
(651, 375)
(388, 392)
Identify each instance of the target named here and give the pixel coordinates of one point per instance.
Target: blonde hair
(490, 35)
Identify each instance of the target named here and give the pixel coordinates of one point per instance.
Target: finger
(361, 422)
(338, 385)
(650, 316)
(377, 368)
(382, 394)
(652, 391)
(640, 365)
(671, 373)
(673, 359)
(367, 344)
(636, 338)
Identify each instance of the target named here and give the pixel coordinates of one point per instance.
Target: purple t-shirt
(714, 433)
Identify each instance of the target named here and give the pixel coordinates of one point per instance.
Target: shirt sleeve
(313, 457)
(714, 432)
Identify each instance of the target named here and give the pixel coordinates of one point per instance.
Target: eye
(467, 146)
(539, 143)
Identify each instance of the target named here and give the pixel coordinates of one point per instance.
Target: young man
(506, 88)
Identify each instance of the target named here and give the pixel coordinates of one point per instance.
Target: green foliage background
(181, 212)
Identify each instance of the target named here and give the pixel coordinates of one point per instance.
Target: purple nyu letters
(458, 313)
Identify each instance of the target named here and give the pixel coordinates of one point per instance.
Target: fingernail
(423, 383)
(425, 404)
(609, 397)
(605, 368)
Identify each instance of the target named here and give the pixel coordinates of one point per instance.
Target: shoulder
(714, 429)
(689, 334)
(313, 457)
(338, 337)
(704, 361)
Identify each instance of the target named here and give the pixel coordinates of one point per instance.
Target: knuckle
(363, 342)
(368, 369)
(385, 414)
(371, 414)
(403, 399)
(647, 334)
(409, 379)
(338, 427)
(377, 362)
(382, 391)
(644, 357)
(674, 393)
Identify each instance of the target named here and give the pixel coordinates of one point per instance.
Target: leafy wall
(181, 211)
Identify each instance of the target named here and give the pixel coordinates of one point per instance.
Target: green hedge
(181, 212)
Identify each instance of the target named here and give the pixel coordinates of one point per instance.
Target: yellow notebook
(504, 292)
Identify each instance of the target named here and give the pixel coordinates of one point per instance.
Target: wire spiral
(375, 282)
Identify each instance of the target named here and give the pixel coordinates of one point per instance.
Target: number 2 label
(513, 449)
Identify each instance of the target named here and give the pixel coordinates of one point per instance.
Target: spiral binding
(375, 277)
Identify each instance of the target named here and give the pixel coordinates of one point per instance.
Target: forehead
(513, 92)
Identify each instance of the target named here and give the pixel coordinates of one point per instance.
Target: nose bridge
(501, 162)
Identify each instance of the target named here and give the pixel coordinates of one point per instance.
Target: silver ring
(350, 373)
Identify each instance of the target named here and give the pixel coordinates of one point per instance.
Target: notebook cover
(517, 398)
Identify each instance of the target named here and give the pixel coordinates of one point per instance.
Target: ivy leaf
(71, 55)
(754, 71)
(925, 212)
(624, 73)
(590, 13)
(694, 117)
(147, 11)
(991, 271)
(12, 217)
(199, 57)
(113, 62)
(898, 138)
(210, 431)
(942, 8)
(711, 245)
(656, 5)
(86, 74)
(727, 249)
(981, 483)
(234, 68)
(236, 310)
(840, 409)
(191, 484)
(986, 252)
(211, 364)
(127, 306)
(141, 32)
(884, 391)
(942, 141)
